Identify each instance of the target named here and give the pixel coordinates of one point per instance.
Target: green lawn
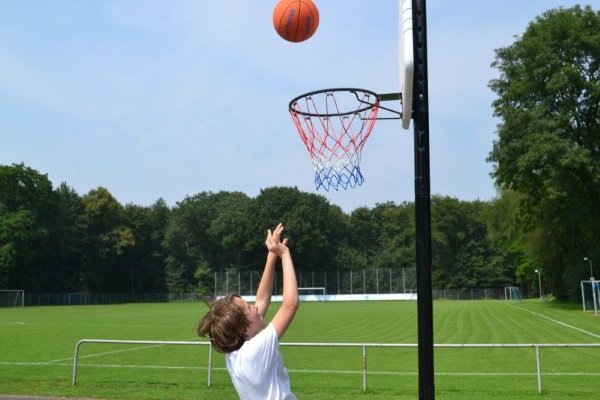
(37, 345)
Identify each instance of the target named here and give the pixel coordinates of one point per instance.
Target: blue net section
(332, 178)
(334, 125)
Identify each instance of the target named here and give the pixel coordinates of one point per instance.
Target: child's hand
(274, 242)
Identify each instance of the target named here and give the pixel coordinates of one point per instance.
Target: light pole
(591, 271)
(539, 273)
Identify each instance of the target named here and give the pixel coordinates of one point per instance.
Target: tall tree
(463, 256)
(187, 244)
(308, 222)
(27, 209)
(106, 241)
(145, 259)
(228, 230)
(548, 146)
(507, 239)
(68, 239)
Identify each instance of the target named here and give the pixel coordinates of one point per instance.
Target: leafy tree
(204, 279)
(507, 239)
(228, 231)
(106, 240)
(308, 219)
(27, 208)
(463, 256)
(68, 239)
(396, 236)
(145, 259)
(548, 146)
(186, 241)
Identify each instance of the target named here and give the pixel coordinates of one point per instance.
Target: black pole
(422, 203)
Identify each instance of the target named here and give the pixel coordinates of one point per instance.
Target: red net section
(334, 125)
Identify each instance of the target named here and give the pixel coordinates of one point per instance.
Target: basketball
(295, 20)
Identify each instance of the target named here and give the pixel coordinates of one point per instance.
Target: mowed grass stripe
(496, 321)
(370, 321)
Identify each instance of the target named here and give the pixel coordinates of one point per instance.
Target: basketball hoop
(334, 125)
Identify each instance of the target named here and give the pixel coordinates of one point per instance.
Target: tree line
(53, 240)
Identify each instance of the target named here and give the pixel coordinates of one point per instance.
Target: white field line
(312, 371)
(104, 353)
(562, 323)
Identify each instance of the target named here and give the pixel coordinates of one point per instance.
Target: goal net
(512, 293)
(311, 290)
(590, 295)
(12, 298)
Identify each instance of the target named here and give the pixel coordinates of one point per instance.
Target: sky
(157, 99)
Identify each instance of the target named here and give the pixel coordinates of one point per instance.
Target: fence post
(364, 365)
(539, 368)
(75, 357)
(210, 363)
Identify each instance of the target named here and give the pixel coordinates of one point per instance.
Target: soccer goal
(311, 290)
(590, 295)
(512, 293)
(12, 298)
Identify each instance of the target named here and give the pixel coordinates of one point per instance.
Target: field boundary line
(315, 371)
(104, 353)
(561, 323)
(114, 352)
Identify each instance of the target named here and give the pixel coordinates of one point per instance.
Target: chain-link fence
(363, 281)
(372, 281)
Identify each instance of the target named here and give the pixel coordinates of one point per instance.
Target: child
(238, 329)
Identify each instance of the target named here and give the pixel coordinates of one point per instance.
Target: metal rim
(355, 91)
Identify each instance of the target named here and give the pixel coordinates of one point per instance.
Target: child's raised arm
(265, 287)
(284, 316)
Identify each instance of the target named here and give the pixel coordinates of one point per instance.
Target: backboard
(406, 60)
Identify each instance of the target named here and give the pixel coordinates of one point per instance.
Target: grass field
(37, 345)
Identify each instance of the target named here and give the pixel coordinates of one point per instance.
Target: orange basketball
(295, 20)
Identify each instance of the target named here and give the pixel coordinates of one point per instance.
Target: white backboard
(406, 60)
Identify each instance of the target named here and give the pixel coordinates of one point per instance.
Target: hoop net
(334, 125)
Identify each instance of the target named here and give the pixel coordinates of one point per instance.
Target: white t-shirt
(257, 369)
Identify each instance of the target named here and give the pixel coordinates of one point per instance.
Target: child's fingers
(269, 239)
(279, 229)
(274, 237)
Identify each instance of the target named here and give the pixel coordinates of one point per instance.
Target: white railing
(364, 346)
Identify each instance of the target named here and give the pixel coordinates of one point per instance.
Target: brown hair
(225, 324)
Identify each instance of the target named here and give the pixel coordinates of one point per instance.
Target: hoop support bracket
(389, 97)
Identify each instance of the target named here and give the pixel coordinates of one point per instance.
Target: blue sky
(162, 99)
